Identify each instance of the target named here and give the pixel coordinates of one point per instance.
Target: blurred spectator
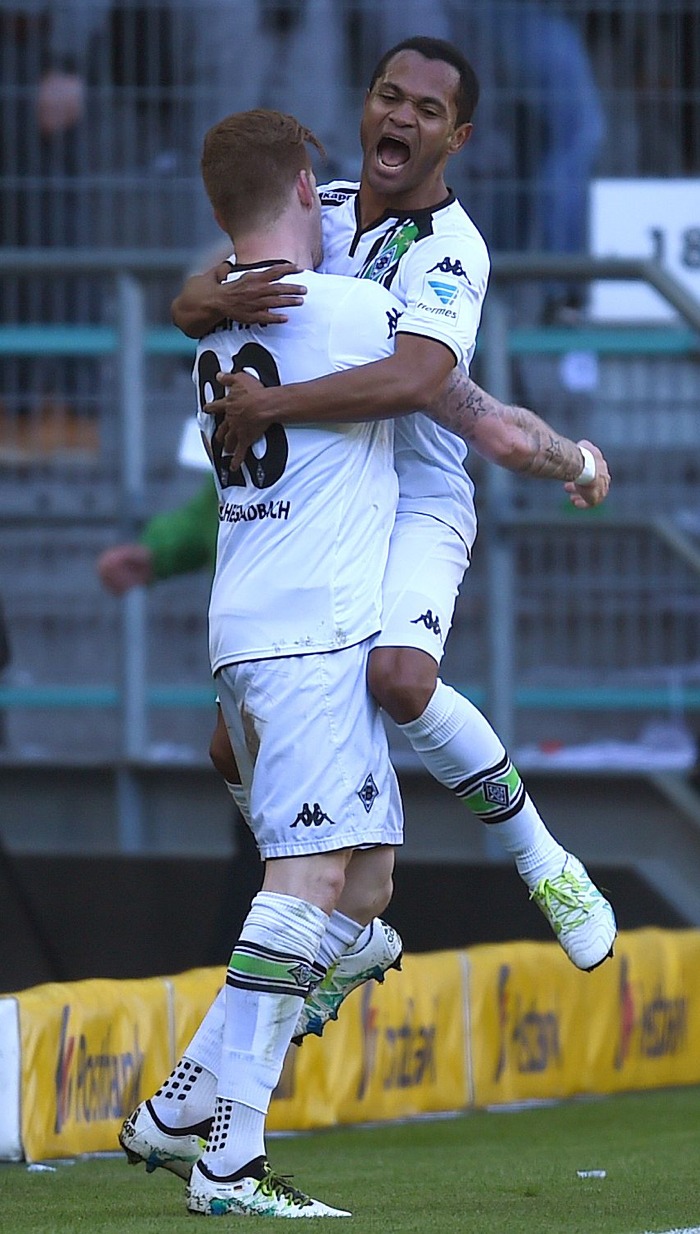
(550, 117)
(45, 49)
(175, 542)
(291, 55)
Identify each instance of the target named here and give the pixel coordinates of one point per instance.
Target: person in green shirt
(174, 542)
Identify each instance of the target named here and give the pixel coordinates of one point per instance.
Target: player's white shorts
(312, 752)
(427, 562)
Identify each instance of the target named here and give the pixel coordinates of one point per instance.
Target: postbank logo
(529, 1037)
(93, 1081)
(653, 1026)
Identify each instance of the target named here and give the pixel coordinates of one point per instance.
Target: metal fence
(567, 630)
(593, 618)
(578, 619)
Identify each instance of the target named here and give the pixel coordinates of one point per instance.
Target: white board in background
(657, 219)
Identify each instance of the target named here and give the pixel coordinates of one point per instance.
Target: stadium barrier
(487, 1026)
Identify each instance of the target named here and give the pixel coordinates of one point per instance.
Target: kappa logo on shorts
(430, 622)
(312, 816)
(368, 793)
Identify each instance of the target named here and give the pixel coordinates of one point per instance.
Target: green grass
(483, 1173)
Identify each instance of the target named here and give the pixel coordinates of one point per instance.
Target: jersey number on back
(267, 469)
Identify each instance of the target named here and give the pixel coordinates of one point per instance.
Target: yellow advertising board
(489, 1026)
(90, 1049)
(398, 1049)
(542, 1029)
(192, 994)
(654, 1024)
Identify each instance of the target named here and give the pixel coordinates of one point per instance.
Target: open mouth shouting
(392, 152)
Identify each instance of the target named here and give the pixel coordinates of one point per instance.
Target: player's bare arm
(403, 382)
(207, 299)
(517, 439)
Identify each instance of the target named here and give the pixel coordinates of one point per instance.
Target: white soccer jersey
(436, 263)
(305, 523)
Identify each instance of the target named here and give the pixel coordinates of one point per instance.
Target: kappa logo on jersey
(312, 816)
(447, 266)
(382, 267)
(393, 316)
(368, 793)
(429, 621)
(336, 197)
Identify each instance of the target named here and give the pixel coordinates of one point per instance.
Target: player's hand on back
(583, 495)
(252, 298)
(245, 414)
(208, 299)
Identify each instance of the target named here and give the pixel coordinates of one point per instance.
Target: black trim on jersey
(260, 265)
(431, 338)
(423, 219)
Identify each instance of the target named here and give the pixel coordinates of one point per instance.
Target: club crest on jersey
(383, 266)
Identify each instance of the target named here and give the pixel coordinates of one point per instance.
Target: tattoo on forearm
(461, 404)
(513, 436)
(547, 454)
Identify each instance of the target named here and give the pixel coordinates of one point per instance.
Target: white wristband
(589, 470)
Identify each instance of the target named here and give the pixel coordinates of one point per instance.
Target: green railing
(130, 340)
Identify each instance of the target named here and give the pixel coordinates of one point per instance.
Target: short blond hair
(250, 161)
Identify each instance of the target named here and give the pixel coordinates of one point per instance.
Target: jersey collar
(417, 216)
(260, 265)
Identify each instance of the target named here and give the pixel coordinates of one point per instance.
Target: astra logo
(649, 1027)
(400, 1054)
(529, 1038)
